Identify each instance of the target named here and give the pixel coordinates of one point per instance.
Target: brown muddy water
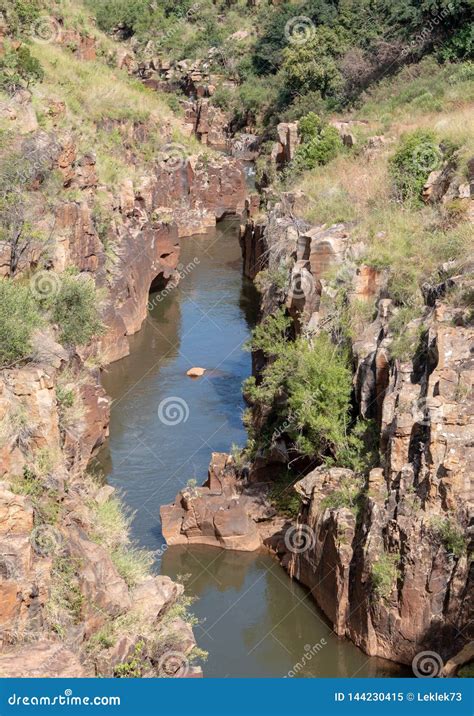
(254, 621)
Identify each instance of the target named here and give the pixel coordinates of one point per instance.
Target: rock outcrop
(216, 514)
(408, 525)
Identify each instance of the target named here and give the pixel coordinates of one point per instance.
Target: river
(254, 621)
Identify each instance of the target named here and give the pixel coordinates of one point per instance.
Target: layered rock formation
(59, 584)
(409, 527)
(66, 607)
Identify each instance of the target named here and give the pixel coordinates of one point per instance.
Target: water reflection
(255, 621)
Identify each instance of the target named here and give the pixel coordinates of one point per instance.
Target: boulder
(195, 372)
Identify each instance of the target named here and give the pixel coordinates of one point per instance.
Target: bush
(18, 68)
(349, 496)
(319, 143)
(19, 317)
(306, 387)
(417, 156)
(222, 97)
(283, 496)
(20, 14)
(384, 574)
(126, 14)
(75, 310)
(451, 535)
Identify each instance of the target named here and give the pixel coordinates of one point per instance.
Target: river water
(254, 621)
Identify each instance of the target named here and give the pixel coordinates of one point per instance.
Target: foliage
(133, 667)
(283, 496)
(417, 156)
(451, 535)
(126, 14)
(384, 574)
(312, 66)
(65, 602)
(466, 671)
(349, 495)
(20, 15)
(111, 526)
(19, 316)
(74, 308)
(306, 387)
(18, 68)
(320, 143)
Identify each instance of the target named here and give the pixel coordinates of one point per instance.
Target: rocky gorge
(422, 410)
(64, 594)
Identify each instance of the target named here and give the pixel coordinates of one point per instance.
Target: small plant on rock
(384, 574)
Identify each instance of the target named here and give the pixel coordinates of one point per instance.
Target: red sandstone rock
(41, 660)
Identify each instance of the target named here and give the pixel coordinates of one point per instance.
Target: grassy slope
(411, 241)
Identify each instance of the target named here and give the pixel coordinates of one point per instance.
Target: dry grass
(411, 242)
(343, 190)
(93, 93)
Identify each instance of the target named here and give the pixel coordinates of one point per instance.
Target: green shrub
(126, 14)
(283, 496)
(19, 317)
(417, 156)
(451, 535)
(466, 671)
(222, 97)
(20, 15)
(384, 574)
(349, 495)
(65, 601)
(75, 310)
(313, 66)
(133, 667)
(406, 335)
(18, 68)
(306, 387)
(319, 143)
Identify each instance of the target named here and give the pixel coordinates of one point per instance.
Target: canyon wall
(69, 607)
(423, 489)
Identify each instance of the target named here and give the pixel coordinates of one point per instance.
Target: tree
(19, 316)
(18, 68)
(313, 66)
(16, 231)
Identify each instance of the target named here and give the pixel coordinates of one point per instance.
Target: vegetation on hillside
(305, 389)
(310, 55)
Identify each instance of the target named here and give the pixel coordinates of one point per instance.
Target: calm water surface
(254, 621)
